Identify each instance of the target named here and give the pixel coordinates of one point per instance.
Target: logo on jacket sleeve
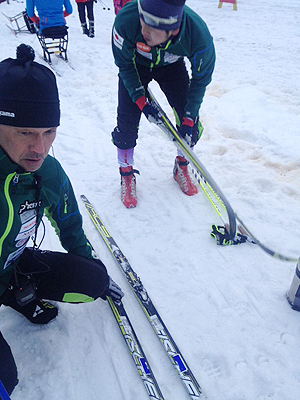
(118, 40)
(171, 58)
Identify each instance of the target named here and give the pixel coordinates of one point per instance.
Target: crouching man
(32, 183)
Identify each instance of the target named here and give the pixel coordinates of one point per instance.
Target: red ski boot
(181, 176)
(128, 186)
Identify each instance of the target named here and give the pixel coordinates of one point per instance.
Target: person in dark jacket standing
(32, 183)
(150, 40)
(88, 6)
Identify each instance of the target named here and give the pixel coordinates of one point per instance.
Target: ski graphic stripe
(134, 346)
(135, 350)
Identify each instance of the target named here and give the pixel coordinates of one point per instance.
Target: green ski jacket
(193, 41)
(19, 202)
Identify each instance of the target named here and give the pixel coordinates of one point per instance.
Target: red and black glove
(150, 112)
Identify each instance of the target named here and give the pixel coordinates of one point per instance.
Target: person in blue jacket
(50, 13)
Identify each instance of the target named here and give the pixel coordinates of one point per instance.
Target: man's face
(27, 147)
(155, 37)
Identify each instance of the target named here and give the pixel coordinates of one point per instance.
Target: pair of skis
(54, 69)
(162, 333)
(234, 230)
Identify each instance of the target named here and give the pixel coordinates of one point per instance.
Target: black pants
(60, 277)
(89, 5)
(8, 369)
(173, 80)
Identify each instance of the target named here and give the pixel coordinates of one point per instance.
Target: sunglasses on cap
(154, 21)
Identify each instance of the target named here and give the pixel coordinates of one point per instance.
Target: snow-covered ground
(226, 307)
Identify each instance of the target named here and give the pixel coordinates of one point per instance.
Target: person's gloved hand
(66, 14)
(187, 132)
(113, 290)
(35, 19)
(150, 112)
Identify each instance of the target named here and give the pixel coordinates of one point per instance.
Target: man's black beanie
(28, 92)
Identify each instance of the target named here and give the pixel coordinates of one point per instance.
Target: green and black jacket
(193, 41)
(19, 202)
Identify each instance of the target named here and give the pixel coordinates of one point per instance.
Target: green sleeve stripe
(77, 298)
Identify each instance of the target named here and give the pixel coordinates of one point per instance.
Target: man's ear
(175, 32)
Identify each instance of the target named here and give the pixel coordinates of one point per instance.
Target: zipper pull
(66, 203)
(16, 179)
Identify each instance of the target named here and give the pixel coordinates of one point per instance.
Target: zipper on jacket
(15, 178)
(66, 203)
(158, 58)
(15, 181)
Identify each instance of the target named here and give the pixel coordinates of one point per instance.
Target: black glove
(187, 131)
(150, 112)
(113, 290)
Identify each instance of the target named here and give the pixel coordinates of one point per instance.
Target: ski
(50, 65)
(15, 26)
(184, 372)
(221, 205)
(136, 351)
(54, 69)
(252, 239)
(208, 185)
(12, 29)
(65, 61)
